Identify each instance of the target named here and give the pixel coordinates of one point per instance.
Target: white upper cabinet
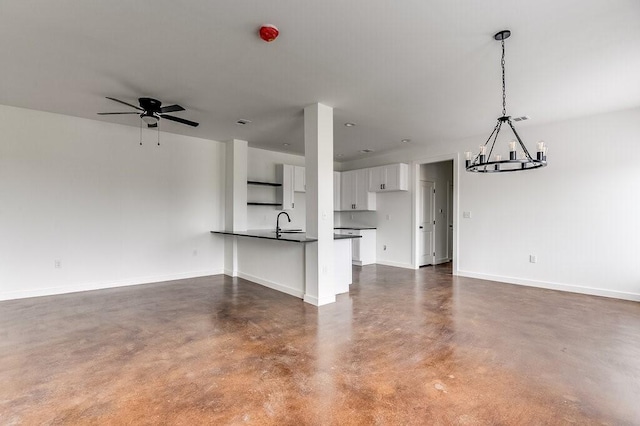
(336, 191)
(299, 179)
(354, 191)
(285, 175)
(393, 177)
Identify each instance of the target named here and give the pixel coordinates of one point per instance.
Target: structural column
(318, 147)
(235, 218)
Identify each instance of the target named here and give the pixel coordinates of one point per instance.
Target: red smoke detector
(269, 32)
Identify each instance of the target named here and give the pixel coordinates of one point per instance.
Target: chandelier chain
(504, 87)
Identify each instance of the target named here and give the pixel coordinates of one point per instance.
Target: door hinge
(434, 222)
(434, 253)
(434, 191)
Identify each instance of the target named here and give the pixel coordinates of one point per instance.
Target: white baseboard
(230, 273)
(51, 291)
(396, 264)
(553, 286)
(273, 285)
(319, 302)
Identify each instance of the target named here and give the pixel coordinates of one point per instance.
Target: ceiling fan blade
(180, 120)
(171, 108)
(115, 113)
(125, 103)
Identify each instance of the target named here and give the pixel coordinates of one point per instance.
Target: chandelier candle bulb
(467, 158)
(498, 158)
(512, 150)
(483, 153)
(540, 152)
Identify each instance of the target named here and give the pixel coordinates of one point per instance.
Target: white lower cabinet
(363, 250)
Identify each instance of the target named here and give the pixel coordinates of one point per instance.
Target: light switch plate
(466, 215)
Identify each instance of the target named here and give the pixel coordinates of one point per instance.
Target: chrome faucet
(278, 221)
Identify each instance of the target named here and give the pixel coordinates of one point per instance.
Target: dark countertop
(355, 228)
(296, 237)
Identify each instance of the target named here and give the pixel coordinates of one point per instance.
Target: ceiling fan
(151, 111)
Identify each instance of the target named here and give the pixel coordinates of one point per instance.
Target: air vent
(521, 118)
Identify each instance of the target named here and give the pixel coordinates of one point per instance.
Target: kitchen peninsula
(277, 261)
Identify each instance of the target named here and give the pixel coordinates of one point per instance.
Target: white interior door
(426, 222)
(450, 222)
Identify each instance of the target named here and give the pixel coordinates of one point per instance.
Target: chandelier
(487, 162)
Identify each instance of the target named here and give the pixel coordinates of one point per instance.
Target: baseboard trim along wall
(553, 286)
(275, 286)
(52, 291)
(395, 264)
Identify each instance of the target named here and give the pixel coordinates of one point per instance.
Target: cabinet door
(299, 179)
(285, 175)
(376, 179)
(336, 192)
(396, 177)
(346, 191)
(364, 200)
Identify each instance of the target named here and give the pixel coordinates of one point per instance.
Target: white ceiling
(423, 70)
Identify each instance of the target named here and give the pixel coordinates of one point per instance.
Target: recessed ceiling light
(405, 140)
(242, 122)
(366, 151)
(349, 124)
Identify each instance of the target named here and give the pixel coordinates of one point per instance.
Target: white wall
(579, 216)
(262, 167)
(113, 212)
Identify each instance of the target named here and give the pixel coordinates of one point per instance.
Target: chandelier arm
(495, 138)
(524, 148)
(485, 144)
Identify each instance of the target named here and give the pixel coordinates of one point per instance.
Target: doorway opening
(435, 217)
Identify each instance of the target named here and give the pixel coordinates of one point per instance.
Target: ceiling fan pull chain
(158, 127)
(140, 132)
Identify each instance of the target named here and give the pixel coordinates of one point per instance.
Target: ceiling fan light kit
(483, 162)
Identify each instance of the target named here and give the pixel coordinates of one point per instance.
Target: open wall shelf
(255, 182)
(264, 184)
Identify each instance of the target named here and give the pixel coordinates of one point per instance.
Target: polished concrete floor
(402, 348)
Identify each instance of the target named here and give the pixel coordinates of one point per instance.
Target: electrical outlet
(466, 215)
(57, 263)
(351, 216)
(533, 258)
